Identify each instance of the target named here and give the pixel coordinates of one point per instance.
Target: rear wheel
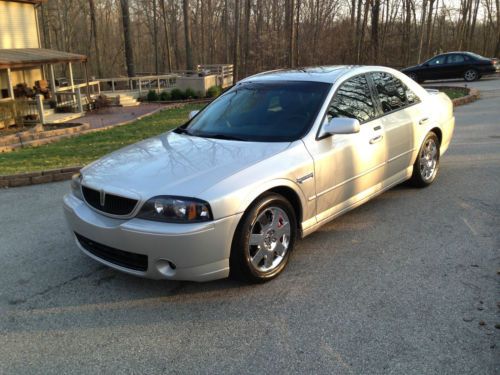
(426, 166)
(264, 239)
(415, 77)
(471, 75)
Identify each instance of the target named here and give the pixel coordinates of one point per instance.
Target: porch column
(52, 79)
(9, 84)
(71, 81)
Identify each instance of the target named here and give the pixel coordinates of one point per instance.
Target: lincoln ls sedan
(267, 163)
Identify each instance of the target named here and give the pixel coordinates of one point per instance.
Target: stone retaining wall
(40, 177)
(31, 138)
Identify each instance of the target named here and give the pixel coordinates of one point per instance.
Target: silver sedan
(267, 163)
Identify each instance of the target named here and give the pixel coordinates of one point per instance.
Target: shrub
(214, 91)
(177, 94)
(152, 96)
(190, 94)
(164, 96)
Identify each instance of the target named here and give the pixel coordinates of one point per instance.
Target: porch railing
(18, 111)
(94, 88)
(140, 83)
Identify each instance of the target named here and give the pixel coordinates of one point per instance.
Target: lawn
(85, 148)
(454, 93)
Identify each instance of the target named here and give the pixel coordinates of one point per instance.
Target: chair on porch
(42, 88)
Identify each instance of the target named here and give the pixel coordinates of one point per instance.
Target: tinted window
(455, 59)
(261, 111)
(353, 99)
(390, 90)
(437, 60)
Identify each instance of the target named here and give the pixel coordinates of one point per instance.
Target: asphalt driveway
(406, 284)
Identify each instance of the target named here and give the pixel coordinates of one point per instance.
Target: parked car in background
(466, 65)
(268, 162)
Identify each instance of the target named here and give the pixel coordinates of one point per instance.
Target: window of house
(353, 99)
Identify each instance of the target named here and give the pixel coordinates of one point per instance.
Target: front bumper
(196, 252)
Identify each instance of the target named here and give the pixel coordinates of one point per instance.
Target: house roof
(25, 57)
(27, 1)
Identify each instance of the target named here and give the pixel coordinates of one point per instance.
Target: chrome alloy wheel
(269, 239)
(428, 160)
(470, 75)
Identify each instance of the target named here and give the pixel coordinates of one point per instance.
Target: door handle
(423, 121)
(378, 138)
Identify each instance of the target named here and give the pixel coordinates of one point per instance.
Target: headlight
(175, 210)
(76, 185)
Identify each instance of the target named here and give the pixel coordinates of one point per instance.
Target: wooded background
(128, 37)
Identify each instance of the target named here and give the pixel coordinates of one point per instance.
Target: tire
(426, 167)
(263, 240)
(471, 75)
(413, 76)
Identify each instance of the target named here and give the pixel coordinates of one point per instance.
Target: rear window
(392, 93)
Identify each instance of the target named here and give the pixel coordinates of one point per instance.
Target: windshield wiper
(220, 136)
(182, 130)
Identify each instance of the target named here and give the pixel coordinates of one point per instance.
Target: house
(27, 69)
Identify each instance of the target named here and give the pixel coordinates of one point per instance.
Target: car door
(349, 166)
(435, 68)
(392, 98)
(457, 65)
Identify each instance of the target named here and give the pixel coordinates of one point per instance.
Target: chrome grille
(108, 203)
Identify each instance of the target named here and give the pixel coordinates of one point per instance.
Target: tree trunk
(236, 51)
(187, 35)
(248, 5)
(93, 26)
(422, 31)
(129, 54)
(167, 42)
(374, 36)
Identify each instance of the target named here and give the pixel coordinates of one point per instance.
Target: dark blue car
(466, 65)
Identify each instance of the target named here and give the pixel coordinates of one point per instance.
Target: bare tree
(187, 35)
(129, 55)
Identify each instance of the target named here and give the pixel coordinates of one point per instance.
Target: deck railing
(140, 83)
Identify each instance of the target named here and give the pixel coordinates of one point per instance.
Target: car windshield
(262, 112)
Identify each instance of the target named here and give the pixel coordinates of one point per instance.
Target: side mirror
(192, 114)
(341, 125)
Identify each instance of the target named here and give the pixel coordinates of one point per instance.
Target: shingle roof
(24, 57)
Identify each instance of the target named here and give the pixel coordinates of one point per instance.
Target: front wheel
(426, 166)
(263, 240)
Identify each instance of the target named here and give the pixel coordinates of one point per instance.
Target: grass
(454, 93)
(85, 148)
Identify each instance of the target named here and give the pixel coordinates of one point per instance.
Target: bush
(190, 94)
(164, 96)
(214, 91)
(152, 96)
(177, 94)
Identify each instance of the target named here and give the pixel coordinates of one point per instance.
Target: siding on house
(18, 25)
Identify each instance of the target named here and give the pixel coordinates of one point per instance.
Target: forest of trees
(155, 36)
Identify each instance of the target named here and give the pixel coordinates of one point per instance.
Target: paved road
(398, 286)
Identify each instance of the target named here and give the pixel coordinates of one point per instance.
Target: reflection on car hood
(174, 164)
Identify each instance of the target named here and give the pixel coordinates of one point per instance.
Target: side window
(437, 61)
(455, 59)
(391, 91)
(353, 99)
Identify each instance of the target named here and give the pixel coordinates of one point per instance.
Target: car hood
(410, 68)
(174, 164)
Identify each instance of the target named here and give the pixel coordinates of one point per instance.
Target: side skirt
(357, 200)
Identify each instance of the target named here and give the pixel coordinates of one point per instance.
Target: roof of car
(327, 74)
